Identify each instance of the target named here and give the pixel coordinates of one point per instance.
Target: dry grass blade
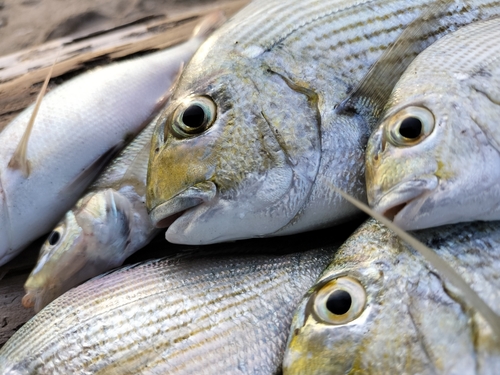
(20, 158)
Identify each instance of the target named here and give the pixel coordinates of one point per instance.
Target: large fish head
(379, 309)
(430, 163)
(88, 241)
(236, 152)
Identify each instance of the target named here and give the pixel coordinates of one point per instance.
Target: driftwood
(21, 76)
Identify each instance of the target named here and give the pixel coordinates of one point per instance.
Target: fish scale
(412, 319)
(288, 65)
(193, 314)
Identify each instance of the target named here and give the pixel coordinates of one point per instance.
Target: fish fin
(135, 170)
(86, 176)
(209, 24)
(373, 92)
(469, 295)
(20, 160)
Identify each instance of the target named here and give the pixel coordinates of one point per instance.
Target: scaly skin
(191, 314)
(450, 175)
(413, 321)
(273, 143)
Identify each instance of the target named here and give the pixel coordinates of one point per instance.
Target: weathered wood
(22, 73)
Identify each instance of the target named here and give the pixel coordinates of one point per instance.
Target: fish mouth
(404, 198)
(166, 213)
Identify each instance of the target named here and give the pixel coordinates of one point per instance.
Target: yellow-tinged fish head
(379, 309)
(88, 241)
(235, 153)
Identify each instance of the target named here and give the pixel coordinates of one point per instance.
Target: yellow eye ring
(193, 116)
(339, 301)
(409, 126)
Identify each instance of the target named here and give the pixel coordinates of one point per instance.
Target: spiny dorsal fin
(20, 160)
(468, 294)
(373, 92)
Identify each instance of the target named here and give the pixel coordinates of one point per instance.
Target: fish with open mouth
(205, 312)
(435, 158)
(251, 139)
(46, 164)
(380, 308)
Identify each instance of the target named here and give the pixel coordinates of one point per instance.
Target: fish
(45, 166)
(379, 307)
(434, 157)
(251, 138)
(107, 225)
(225, 310)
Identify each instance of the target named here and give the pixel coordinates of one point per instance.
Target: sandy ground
(27, 23)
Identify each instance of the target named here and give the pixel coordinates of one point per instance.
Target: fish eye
(193, 116)
(409, 126)
(339, 301)
(54, 238)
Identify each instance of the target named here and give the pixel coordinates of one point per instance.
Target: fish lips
(402, 202)
(166, 213)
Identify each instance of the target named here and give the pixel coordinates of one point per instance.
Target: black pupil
(193, 116)
(339, 302)
(411, 128)
(54, 238)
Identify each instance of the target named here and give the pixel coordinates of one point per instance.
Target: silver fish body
(250, 143)
(79, 126)
(435, 158)
(401, 315)
(216, 314)
(106, 226)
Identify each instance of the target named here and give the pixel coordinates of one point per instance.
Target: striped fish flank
(184, 315)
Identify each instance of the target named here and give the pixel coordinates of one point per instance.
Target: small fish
(435, 158)
(204, 313)
(106, 225)
(251, 140)
(380, 308)
(46, 166)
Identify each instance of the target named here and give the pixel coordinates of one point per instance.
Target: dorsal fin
(19, 159)
(372, 93)
(469, 295)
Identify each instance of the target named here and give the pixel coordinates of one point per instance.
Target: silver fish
(46, 166)
(198, 314)
(380, 308)
(251, 142)
(106, 226)
(434, 159)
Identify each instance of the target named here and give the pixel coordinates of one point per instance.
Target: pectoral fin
(20, 160)
(136, 172)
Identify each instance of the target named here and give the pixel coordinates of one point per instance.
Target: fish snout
(405, 199)
(167, 212)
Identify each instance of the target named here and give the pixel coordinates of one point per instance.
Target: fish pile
(263, 132)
